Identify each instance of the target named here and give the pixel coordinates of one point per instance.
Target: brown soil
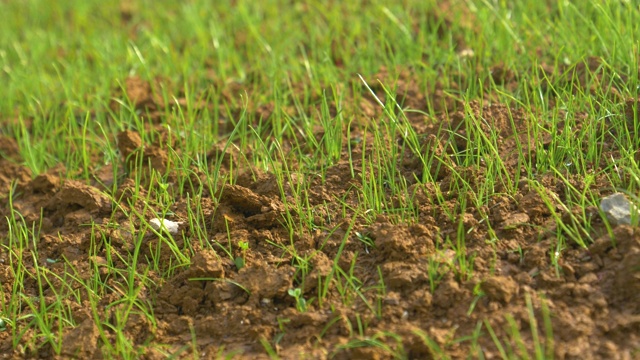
(593, 294)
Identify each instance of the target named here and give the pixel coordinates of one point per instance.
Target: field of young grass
(360, 179)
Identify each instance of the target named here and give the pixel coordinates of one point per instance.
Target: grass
(284, 86)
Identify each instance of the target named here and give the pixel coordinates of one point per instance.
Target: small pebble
(618, 209)
(170, 226)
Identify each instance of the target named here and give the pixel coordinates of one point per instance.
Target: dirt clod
(500, 288)
(81, 341)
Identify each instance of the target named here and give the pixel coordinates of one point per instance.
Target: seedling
(366, 240)
(301, 303)
(240, 261)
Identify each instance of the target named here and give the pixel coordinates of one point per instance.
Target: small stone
(170, 226)
(618, 209)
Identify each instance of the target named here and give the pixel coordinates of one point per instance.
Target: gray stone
(618, 209)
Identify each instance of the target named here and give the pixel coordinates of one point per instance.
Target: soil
(592, 294)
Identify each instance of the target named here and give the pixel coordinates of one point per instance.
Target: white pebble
(265, 301)
(170, 226)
